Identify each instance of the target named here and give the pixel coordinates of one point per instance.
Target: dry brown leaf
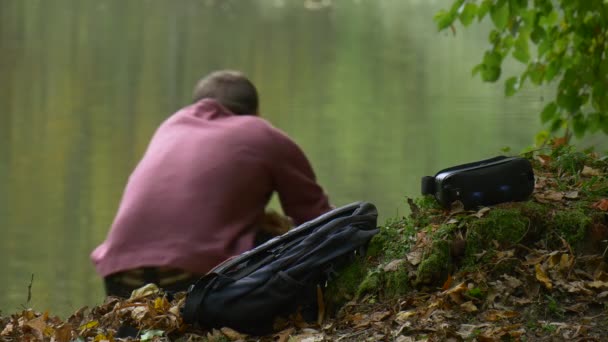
(144, 291)
(8, 329)
(571, 194)
(601, 204)
(468, 307)
(597, 284)
(447, 283)
(549, 195)
(415, 256)
(542, 277)
(283, 336)
(394, 265)
(482, 212)
(402, 316)
(233, 334)
(63, 333)
(590, 172)
(380, 316)
(544, 159)
(496, 315)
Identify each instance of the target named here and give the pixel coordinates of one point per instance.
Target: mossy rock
(396, 282)
(571, 225)
(345, 285)
(435, 266)
(506, 226)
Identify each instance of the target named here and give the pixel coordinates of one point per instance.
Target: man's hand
(274, 223)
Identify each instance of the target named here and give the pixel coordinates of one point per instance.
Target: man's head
(231, 89)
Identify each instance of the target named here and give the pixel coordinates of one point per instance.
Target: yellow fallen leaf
(468, 306)
(565, 262)
(89, 325)
(402, 316)
(597, 284)
(542, 277)
(144, 291)
(161, 304)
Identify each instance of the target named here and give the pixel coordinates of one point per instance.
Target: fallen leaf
(393, 265)
(448, 283)
(496, 315)
(590, 172)
(63, 333)
(598, 284)
(571, 194)
(550, 195)
(283, 336)
(544, 159)
(88, 325)
(8, 329)
(380, 316)
(144, 291)
(601, 204)
(481, 212)
(542, 277)
(402, 316)
(233, 334)
(415, 256)
(468, 307)
(456, 207)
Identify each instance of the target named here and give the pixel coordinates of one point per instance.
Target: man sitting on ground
(202, 186)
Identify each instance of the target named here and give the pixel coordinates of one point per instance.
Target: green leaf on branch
(548, 20)
(500, 14)
(549, 113)
(444, 19)
(556, 125)
(468, 14)
(579, 125)
(570, 42)
(484, 8)
(522, 52)
(536, 72)
(492, 58)
(511, 86)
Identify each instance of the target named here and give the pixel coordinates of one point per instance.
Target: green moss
(435, 266)
(371, 283)
(344, 287)
(571, 225)
(396, 283)
(393, 240)
(505, 226)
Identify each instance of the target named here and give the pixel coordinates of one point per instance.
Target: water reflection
(369, 89)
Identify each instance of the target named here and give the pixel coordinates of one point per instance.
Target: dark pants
(121, 284)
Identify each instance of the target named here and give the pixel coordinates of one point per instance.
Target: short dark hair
(231, 89)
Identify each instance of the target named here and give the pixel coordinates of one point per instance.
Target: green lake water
(370, 90)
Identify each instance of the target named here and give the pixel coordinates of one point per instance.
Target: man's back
(203, 182)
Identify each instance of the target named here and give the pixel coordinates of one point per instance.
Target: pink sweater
(203, 182)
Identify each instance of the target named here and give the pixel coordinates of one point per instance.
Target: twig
(29, 290)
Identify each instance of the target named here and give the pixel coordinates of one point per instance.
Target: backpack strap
(196, 295)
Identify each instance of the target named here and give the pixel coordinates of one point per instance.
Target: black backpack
(248, 292)
(485, 182)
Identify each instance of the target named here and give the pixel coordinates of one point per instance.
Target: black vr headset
(486, 182)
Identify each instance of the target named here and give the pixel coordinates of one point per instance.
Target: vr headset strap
(428, 185)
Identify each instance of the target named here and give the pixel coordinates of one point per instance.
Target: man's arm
(301, 197)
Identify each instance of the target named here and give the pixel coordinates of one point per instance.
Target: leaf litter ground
(544, 285)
